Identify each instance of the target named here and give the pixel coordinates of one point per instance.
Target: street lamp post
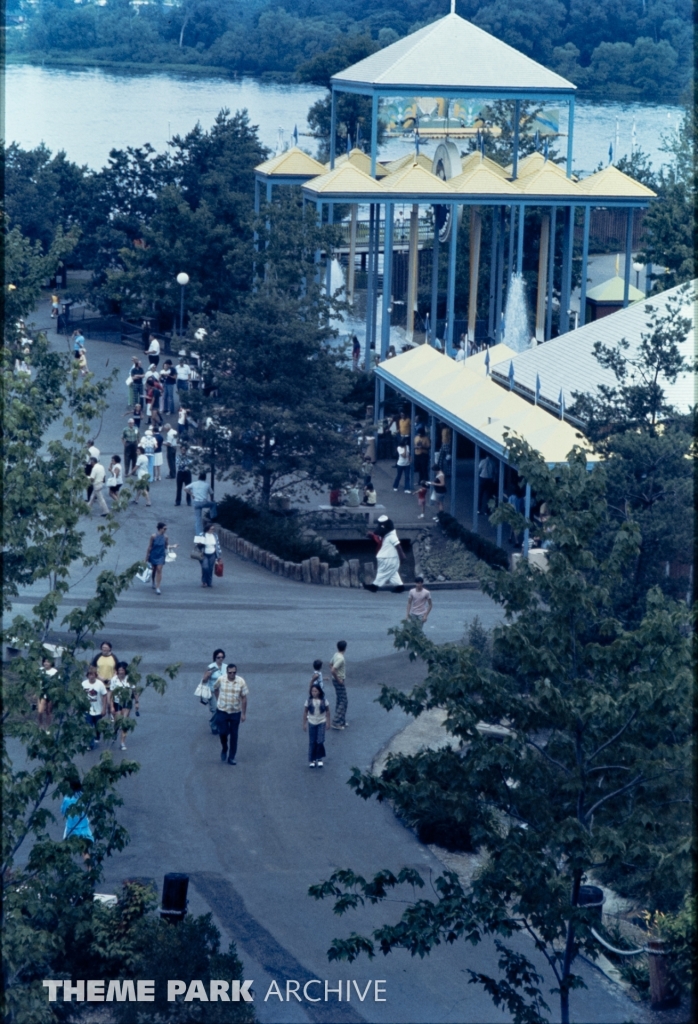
(637, 267)
(182, 281)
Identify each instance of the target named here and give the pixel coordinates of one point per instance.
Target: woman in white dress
(388, 558)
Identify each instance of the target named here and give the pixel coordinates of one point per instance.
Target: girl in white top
(116, 479)
(316, 719)
(142, 474)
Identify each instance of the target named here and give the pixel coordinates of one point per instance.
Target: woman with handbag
(210, 547)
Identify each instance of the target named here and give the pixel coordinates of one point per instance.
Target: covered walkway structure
(464, 398)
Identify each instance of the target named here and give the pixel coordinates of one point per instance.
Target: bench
(369, 511)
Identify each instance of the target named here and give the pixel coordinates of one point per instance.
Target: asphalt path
(253, 837)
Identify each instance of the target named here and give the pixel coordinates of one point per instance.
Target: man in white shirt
(153, 352)
(97, 475)
(171, 437)
(183, 374)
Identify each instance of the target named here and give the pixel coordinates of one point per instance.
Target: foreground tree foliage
(591, 781)
(51, 926)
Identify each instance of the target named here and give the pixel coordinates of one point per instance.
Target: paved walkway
(255, 836)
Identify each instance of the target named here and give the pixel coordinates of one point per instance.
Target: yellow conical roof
(294, 162)
(407, 160)
(417, 179)
(548, 181)
(612, 182)
(347, 178)
(474, 160)
(358, 158)
(482, 180)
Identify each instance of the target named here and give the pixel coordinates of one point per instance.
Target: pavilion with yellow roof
(452, 58)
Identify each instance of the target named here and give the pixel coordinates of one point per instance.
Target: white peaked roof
(568, 363)
(452, 53)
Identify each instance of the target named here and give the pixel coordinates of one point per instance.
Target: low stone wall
(310, 570)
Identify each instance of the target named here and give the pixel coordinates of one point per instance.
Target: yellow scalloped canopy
(407, 160)
(474, 160)
(482, 180)
(358, 158)
(346, 178)
(612, 182)
(293, 163)
(414, 178)
(548, 181)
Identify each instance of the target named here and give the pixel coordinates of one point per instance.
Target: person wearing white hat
(388, 558)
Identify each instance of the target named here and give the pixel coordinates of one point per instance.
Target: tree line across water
(636, 50)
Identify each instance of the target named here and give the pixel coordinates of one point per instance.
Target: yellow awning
(475, 406)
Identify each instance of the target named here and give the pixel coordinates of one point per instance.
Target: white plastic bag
(170, 555)
(203, 692)
(145, 576)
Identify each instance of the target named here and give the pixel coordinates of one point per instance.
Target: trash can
(174, 897)
(592, 897)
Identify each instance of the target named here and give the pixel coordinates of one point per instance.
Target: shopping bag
(146, 575)
(170, 555)
(197, 553)
(218, 568)
(203, 692)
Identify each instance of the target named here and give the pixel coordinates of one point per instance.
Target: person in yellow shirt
(106, 662)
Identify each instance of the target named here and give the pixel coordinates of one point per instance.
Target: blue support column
(269, 187)
(566, 290)
(551, 272)
(434, 281)
(520, 243)
(515, 160)
(454, 470)
(374, 318)
(628, 257)
(387, 278)
(585, 261)
(451, 299)
(318, 254)
(493, 276)
(328, 255)
(499, 303)
(333, 127)
(374, 134)
(369, 287)
(570, 136)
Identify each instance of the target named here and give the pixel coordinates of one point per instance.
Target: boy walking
(339, 672)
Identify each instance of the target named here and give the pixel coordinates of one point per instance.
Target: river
(89, 112)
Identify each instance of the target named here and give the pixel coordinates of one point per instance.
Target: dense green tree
(647, 445)
(670, 222)
(639, 49)
(590, 779)
(273, 356)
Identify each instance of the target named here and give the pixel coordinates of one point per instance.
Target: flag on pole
(482, 143)
(358, 136)
(537, 388)
(416, 143)
(610, 153)
(536, 140)
(487, 362)
(348, 143)
(546, 146)
(511, 374)
(295, 135)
